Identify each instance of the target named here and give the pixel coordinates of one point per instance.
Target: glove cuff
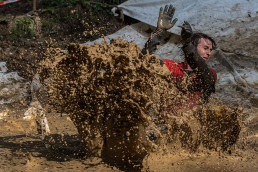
(154, 41)
(158, 32)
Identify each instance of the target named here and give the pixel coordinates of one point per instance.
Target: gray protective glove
(165, 18)
(186, 32)
(164, 23)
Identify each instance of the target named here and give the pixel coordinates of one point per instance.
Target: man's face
(204, 48)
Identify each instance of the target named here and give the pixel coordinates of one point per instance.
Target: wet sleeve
(154, 40)
(205, 75)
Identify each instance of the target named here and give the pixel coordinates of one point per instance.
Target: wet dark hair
(197, 36)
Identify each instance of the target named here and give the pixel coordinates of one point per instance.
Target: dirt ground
(21, 148)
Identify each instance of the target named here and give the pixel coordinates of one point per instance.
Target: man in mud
(197, 49)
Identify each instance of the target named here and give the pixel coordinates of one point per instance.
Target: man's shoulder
(170, 63)
(214, 74)
(213, 71)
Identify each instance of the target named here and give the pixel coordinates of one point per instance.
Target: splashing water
(115, 95)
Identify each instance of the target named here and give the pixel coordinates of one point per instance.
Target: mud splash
(115, 96)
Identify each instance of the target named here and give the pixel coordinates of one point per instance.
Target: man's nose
(209, 53)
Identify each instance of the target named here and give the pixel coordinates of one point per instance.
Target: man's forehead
(206, 42)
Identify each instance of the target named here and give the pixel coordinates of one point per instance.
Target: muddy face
(204, 48)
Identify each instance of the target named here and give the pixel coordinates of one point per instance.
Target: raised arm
(196, 62)
(164, 23)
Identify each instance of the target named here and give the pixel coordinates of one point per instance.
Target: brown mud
(108, 90)
(115, 96)
(219, 137)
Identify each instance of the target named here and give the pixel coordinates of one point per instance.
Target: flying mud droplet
(115, 95)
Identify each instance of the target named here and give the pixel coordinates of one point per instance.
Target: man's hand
(186, 32)
(164, 23)
(165, 18)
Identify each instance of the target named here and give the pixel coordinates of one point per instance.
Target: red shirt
(177, 75)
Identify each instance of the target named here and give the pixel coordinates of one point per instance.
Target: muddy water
(115, 96)
(109, 90)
